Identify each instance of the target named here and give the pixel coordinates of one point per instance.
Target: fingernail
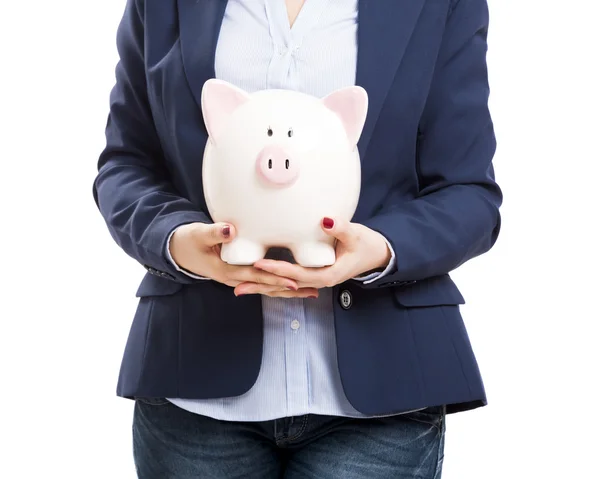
(292, 288)
(313, 296)
(226, 231)
(327, 223)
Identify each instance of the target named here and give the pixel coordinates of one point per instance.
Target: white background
(67, 289)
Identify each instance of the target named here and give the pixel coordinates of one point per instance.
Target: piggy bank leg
(242, 252)
(314, 255)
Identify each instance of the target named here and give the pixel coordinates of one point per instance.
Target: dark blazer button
(346, 299)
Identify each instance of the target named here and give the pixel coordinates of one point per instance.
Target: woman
(273, 370)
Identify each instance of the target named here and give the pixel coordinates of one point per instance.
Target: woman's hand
(359, 250)
(196, 247)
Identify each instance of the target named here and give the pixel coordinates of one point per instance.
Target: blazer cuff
(370, 278)
(175, 265)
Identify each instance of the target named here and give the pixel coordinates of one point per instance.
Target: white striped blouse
(258, 50)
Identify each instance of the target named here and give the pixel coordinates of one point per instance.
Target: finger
(217, 233)
(315, 277)
(311, 293)
(340, 229)
(253, 275)
(257, 288)
(274, 291)
(253, 288)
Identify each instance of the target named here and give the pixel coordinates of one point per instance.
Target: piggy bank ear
(350, 104)
(219, 100)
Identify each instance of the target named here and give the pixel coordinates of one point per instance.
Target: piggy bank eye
(270, 132)
(290, 132)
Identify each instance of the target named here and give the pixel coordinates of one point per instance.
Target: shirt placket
(294, 329)
(282, 74)
(287, 41)
(277, 73)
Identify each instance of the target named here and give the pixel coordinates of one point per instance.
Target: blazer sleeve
(456, 214)
(132, 189)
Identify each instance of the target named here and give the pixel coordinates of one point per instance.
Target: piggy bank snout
(276, 166)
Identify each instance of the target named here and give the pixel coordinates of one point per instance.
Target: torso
(293, 9)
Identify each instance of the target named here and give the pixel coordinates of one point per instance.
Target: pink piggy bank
(276, 163)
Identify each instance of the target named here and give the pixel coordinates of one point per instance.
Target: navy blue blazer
(427, 185)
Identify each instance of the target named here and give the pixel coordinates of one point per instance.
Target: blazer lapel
(199, 26)
(384, 30)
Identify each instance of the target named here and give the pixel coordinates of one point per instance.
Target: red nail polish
(226, 231)
(313, 296)
(327, 223)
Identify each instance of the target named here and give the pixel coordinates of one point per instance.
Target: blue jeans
(171, 443)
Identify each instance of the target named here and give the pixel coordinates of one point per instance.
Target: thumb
(218, 233)
(339, 229)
